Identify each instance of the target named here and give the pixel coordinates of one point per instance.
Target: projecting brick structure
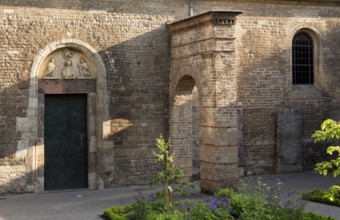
(203, 54)
(238, 86)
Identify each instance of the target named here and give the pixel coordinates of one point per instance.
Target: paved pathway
(89, 204)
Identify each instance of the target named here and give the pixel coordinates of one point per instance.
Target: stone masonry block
(24, 124)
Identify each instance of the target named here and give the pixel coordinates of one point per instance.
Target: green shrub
(322, 196)
(212, 208)
(250, 202)
(255, 200)
(118, 212)
(245, 207)
(165, 216)
(238, 201)
(147, 205)
(330, 130)
(313, 216)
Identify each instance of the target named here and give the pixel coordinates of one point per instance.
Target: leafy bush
(227, 204)
(118, 213)
(145, 206)
(209, 208)
(313, 216)
(250, 202)
(166, 216)
(259, 201)
(330, 129)
(323, 196)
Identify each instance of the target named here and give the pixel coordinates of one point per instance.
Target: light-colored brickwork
(12, 179)
(206, 45)
(241, 68)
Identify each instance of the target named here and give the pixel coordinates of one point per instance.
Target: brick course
(250, 71)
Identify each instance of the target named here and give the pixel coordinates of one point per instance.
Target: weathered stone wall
(134, 48)
(289, 140)
(133, 41)
(195, 134)
(204, 49)
(265, 76)
(12, 179)
(181, 130)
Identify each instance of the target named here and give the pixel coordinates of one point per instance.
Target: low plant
(118, 213)
(257, 200)
(323, 196)
(313, 216)
(250, 202)
(210, 208)
(226, 204)
(330, 130)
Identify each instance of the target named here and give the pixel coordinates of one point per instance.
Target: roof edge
(232, 12)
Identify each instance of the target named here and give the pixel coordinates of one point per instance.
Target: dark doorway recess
(65, 141)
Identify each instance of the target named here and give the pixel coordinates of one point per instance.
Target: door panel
(65, 142)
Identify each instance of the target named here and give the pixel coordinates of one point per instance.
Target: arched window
(303, 59)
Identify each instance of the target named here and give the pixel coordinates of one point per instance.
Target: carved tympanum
(67, 64)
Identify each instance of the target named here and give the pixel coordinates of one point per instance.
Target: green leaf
(324, 172)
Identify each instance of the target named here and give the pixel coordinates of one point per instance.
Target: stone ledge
(288, 168)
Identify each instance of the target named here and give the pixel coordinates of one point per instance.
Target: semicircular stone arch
(62, 68)
(183, 72)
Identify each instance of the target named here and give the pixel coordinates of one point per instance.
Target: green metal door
(65, 142)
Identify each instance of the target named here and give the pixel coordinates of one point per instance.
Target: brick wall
(133, 41)
(12, 179)
(134, 48)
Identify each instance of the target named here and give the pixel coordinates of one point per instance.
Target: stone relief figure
(84, 70)
(67, 71)
(67, 53)
(49, 71)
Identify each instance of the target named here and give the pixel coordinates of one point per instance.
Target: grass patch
(329, 197)
(118, 213)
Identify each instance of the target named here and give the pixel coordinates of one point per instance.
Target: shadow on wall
(264, 86)
(138, 89)
(14, 96)
(137, 78)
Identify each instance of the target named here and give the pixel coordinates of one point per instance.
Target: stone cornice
(305, 2)
(205, 19)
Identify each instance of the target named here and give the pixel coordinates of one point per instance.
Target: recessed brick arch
(97, 112)
(185, 123)
(186, 70)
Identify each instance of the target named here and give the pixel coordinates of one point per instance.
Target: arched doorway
(67, 95)
(184, 127)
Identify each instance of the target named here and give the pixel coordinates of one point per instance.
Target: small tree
(169, 175)
(330, 129)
